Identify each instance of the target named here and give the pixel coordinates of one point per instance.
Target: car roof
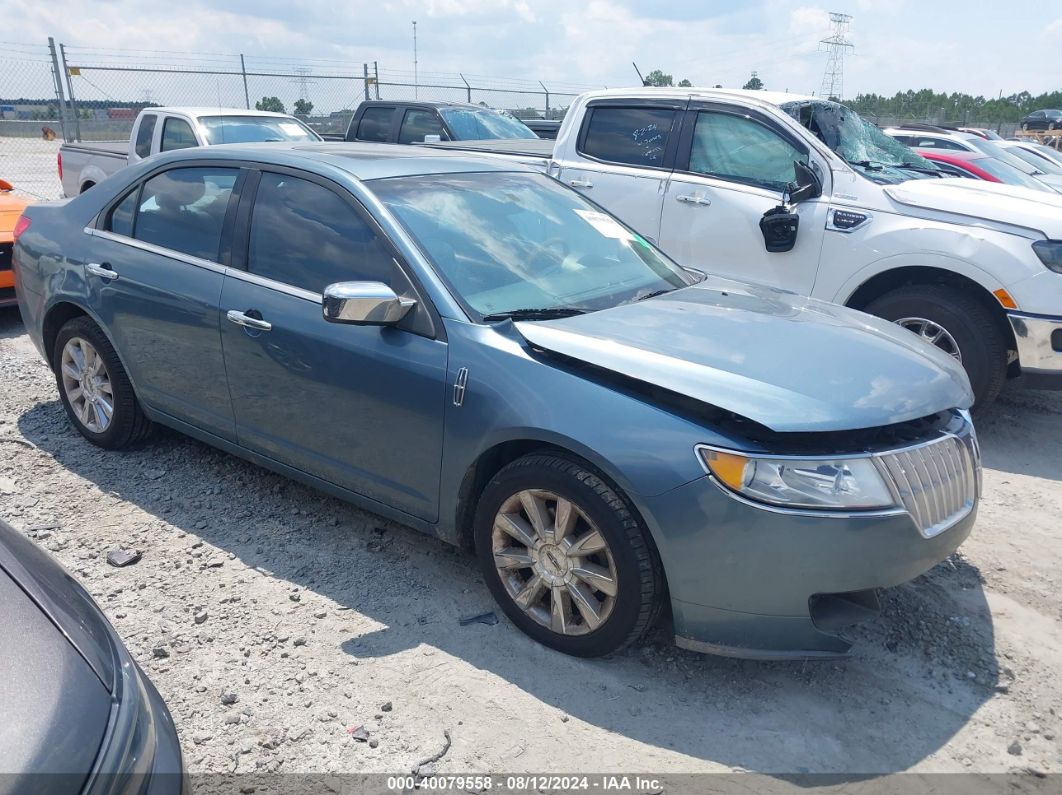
(363, 161)
(956, 134)
(763, 97)
(427, 103)
(196, 111)
(949, 155)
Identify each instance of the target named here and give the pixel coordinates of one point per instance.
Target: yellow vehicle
(11, 208)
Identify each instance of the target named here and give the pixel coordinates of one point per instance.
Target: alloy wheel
(87, 384)
(555, 564)
(933, 333)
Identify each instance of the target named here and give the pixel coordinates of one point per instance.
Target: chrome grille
(936, 482)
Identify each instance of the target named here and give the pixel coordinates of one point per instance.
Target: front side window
(507, 243)
(305, 235)
(420, 123)
(144, 135)
(184, 209)
(177, 134)
(635, 136)
(375, 125)
(737, 148)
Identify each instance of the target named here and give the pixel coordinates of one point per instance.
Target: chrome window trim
(235, 273)
(132, 242)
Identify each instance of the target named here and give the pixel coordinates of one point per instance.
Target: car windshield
(254, 129)
(478, 125)
(1039, 162)
(1006, 173)
(877, 156)
(524, 246)
(993, 149)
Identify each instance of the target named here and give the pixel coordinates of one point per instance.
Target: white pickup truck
(83, 165)
(973, 267)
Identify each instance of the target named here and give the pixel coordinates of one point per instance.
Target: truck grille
(937, 482)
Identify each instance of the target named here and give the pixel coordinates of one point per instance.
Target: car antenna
(639, 71)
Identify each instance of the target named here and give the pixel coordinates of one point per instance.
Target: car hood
(992, 201)
(786, 362)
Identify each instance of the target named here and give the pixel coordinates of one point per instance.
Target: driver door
(731, 167)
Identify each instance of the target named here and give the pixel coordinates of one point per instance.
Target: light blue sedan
(479, 352)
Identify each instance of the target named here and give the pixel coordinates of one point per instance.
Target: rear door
(376, 124)
(358, 406)
(732, 166)
(155, 282)
(625, 153)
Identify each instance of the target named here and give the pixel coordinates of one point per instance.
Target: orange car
(11, 208)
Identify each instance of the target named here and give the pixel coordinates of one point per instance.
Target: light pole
(416, 94)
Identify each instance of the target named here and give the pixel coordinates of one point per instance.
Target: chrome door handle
(690, 198)
(241, 319)
(103, 270)
(580, 183)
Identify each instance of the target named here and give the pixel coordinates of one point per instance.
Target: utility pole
(59, 93)
(416, 87)
(836, 45)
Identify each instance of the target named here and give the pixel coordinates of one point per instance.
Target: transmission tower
(303, 81)
(836, 45)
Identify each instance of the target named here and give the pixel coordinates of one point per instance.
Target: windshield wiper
(920, 169)
(868, 164)
(654, 294)
(550, 313)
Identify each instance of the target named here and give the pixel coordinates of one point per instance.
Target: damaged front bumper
(762, 582)
(1039, 342)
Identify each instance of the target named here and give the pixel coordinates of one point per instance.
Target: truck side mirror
(779, 226)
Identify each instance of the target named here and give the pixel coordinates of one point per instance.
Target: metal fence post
(376, 72)
(468, 89)
(70, 92)
(246, 94)
(58, 88)
(365, 69)
(547, 96)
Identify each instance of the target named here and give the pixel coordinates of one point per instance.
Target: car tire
(1024, 127)
(599, 587)
(100, 381)
(969, 323)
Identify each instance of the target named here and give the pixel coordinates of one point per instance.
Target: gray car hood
(787, 362)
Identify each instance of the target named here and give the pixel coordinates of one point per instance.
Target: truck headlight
(813, 483)
(1050, 253)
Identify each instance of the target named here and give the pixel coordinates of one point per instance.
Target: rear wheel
(565, 557)
(958, 324)
(94, 387)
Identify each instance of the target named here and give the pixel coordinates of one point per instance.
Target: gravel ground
(277, 621)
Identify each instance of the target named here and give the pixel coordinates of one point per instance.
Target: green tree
(684, 83)
(303, 107)
(658, 78)
(272, 104)
(754, 83)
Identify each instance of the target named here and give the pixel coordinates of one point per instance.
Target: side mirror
(805, 186)
(364, 304)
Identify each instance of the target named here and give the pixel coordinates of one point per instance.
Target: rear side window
(937, 143)
(375, 125)
(305, 235)
(734, 147)
(144, 134)
(419, 123)
(183, 209)
(120, 220)
(177, 134)
(635, 136)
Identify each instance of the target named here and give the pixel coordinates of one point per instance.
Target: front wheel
(1024, 127)
(958, 324)
(565, 557)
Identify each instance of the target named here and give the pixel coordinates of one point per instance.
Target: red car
(977, 165)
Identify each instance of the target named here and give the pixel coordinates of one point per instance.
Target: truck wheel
(1024, 127)
(565, 557)
(95, 389)
(957, 323)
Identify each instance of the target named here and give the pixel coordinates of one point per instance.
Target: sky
(948, 46)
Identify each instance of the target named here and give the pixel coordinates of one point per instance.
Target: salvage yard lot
(276, 620)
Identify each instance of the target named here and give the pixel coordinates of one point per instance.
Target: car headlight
(1050, 253)
(813, 483)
